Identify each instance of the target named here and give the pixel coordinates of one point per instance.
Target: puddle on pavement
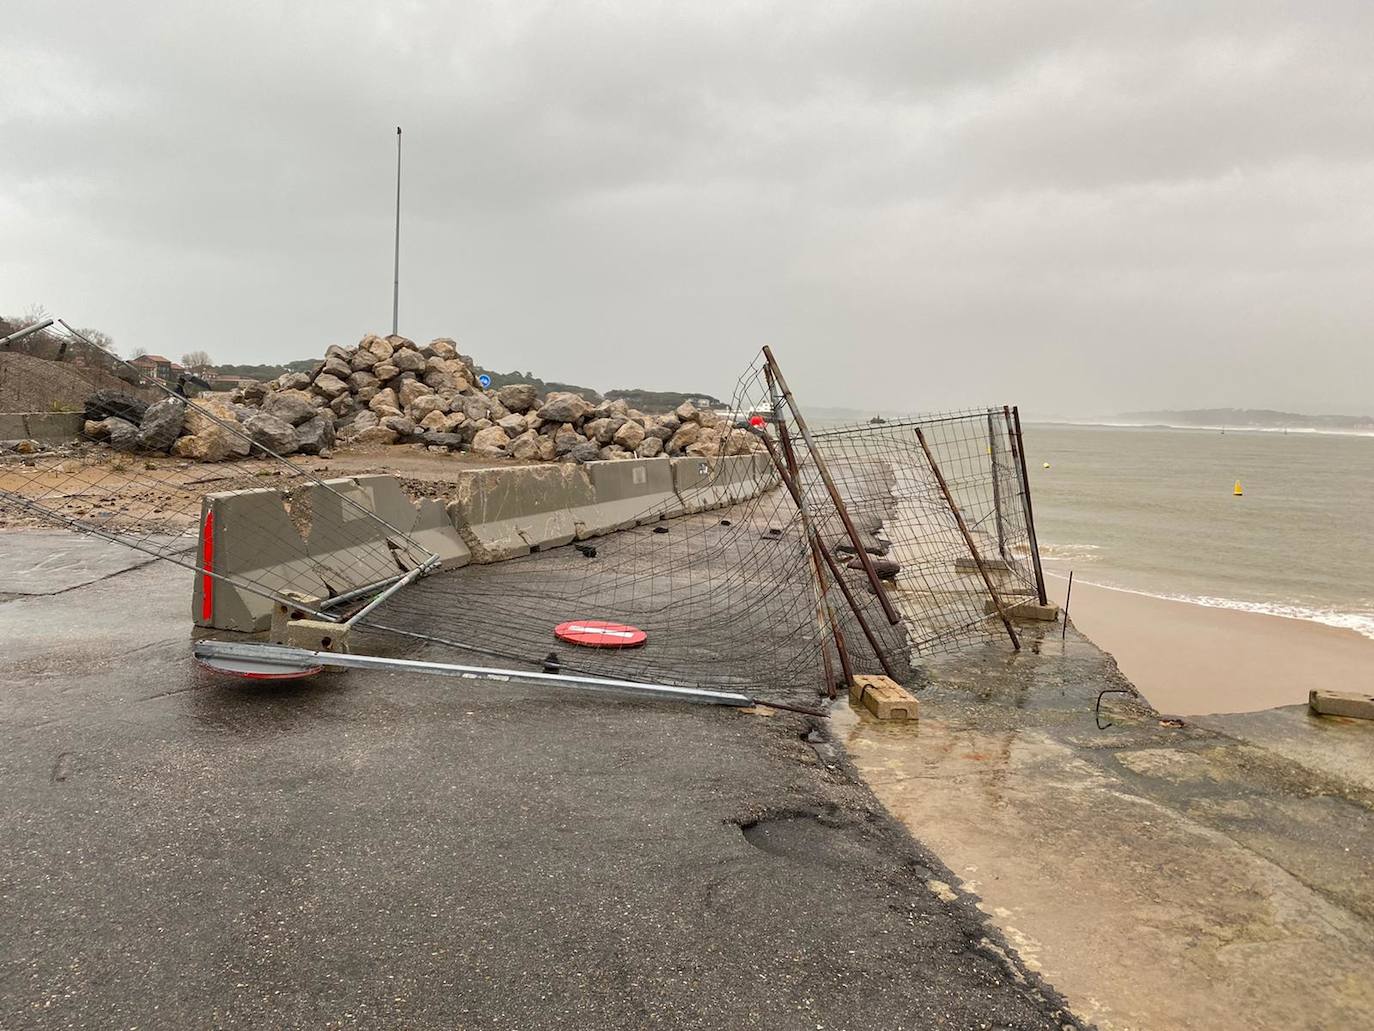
(1140, 916)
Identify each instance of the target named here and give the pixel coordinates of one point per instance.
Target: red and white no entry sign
(597, 633)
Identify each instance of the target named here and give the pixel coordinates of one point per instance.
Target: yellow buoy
(1238, 492)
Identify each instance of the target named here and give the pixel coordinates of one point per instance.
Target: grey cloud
(1082, 207)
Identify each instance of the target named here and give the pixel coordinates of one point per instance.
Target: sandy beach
(1191, 659)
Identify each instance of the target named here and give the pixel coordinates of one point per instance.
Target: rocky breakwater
(390, 390)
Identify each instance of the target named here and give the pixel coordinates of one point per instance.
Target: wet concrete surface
(1160, 876)
(398, 851)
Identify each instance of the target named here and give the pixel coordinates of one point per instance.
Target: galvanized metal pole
(297, 657)
(996, 486)
(396, 280)
(893, 616)
(968, 539)
(1030, 512)
(818, 547)
(824, 608)
(20, 334)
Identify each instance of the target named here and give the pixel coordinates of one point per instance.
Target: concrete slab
(1351, 704)
(1217, 882)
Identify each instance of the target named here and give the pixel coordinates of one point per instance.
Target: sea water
(1151, 510)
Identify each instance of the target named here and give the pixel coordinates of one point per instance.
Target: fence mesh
(757, 594)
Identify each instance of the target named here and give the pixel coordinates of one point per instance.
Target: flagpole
(396, 280)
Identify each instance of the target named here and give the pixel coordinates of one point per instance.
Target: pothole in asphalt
(799, 836)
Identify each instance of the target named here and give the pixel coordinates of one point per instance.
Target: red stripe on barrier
(207, 565)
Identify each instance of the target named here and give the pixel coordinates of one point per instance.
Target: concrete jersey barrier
(250, 536)
(496, 514)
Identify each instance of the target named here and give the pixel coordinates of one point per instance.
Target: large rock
(526, 446)
(161, 424)
(630, 435)
(274, 434)
(475, 408)
(411, 391)
(518, 397)
(684, 438)
(408, 361)
(741, 442)
(513, 425)
(426, 405)
(294, 381)
(686, 411)
(254, 393)
(443, 347)
(403, 428)
(565, 407)
(599, 430)
(385, 371)
(385, 403)
(105, 404)
(315, 435)
(491, 442)
(343, 405)
(649, 447)
(375, 435)
(122, 435)
(565, 439)
(218, 422)
(453, 441)
(587, 451)
(362, 380)
(330, 385)
(293, 406)
(377, 347)
(337, 367)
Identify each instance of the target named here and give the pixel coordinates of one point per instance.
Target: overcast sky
(1084, 207)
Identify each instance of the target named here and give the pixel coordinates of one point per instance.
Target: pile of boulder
(211, 430)
(389, 390)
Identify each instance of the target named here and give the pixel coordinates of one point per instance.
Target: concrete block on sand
(884, 698)
(1354, 704)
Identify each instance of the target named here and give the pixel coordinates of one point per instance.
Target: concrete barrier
(495, 514)
(626, 493)
(248, 535)
(253, 539)
(45, 427)
(703, 484)
(508, 512)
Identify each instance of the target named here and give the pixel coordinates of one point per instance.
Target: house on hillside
(157, 367)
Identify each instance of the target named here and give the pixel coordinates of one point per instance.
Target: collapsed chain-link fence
(790, 557)
(788, 588)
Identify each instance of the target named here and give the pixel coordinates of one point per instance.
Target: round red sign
(597, 633)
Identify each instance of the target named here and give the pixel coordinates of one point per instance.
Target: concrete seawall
(44, 427)
(493, 515)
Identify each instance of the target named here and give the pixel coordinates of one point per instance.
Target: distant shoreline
(1280, 430)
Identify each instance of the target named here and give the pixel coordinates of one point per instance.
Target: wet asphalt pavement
(369, 850)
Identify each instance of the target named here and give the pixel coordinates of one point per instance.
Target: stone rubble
(390, 390)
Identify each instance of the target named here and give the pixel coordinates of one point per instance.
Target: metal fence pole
(968, 539)
(1030, 512)
(892, 615)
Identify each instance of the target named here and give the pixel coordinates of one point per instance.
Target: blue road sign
(484, 380)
